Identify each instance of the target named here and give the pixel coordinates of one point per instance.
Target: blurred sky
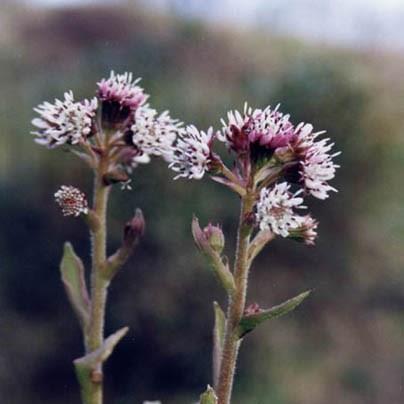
(355, 23)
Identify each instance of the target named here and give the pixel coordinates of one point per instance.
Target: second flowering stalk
(275, 165)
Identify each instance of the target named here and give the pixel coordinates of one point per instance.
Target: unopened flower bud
(211, 237)
(210, 242)
(134, 229)
(215, 237)
(72, 201)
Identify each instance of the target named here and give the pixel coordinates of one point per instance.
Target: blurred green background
(345, 345)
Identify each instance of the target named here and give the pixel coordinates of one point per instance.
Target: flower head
(120, 96)
(121, 88)
(72, 201)
(275, 209)
(64, 121)
(317, 168)
(268, 128)
(192, 153)
(154, 134)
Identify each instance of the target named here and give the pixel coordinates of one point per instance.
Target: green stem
(236, 305)
(92, 388)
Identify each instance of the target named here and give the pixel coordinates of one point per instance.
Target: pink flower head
(121, 88)
(267, 128)
(120, 96)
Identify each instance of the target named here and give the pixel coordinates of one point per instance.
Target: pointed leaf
(100, 355)
(249, 322)
(72, 271)
(218, 340)
(208, 397)
(87, 366)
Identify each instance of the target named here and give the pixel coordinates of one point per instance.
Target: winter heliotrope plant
(113, 133)
(276, 165)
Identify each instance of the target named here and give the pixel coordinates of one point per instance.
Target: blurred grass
(343, 346)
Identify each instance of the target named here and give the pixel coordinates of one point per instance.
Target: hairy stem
(236, 305)
(92, 392)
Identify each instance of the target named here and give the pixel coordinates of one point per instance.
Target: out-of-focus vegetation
(344, 346)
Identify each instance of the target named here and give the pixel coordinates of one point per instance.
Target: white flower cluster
(192, 152)
(154, 134)
(275, 209)
(317, 168)
(64, 121)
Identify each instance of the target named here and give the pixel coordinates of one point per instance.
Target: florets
(72, 201)
(192, 153)
(64, 122)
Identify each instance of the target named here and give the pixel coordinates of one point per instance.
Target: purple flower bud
(208, 239)
(134, 229)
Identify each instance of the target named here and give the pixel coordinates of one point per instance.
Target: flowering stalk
(99, 285)
(112, 133)
(276, 164)
(236, 304)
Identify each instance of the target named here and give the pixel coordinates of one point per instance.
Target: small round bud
(72, 201)
(215, 237)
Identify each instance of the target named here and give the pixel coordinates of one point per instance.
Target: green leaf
(208, 397)
(249, 322)
(87, 366)
(218, 340)
(100, 355)
(72, 271)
